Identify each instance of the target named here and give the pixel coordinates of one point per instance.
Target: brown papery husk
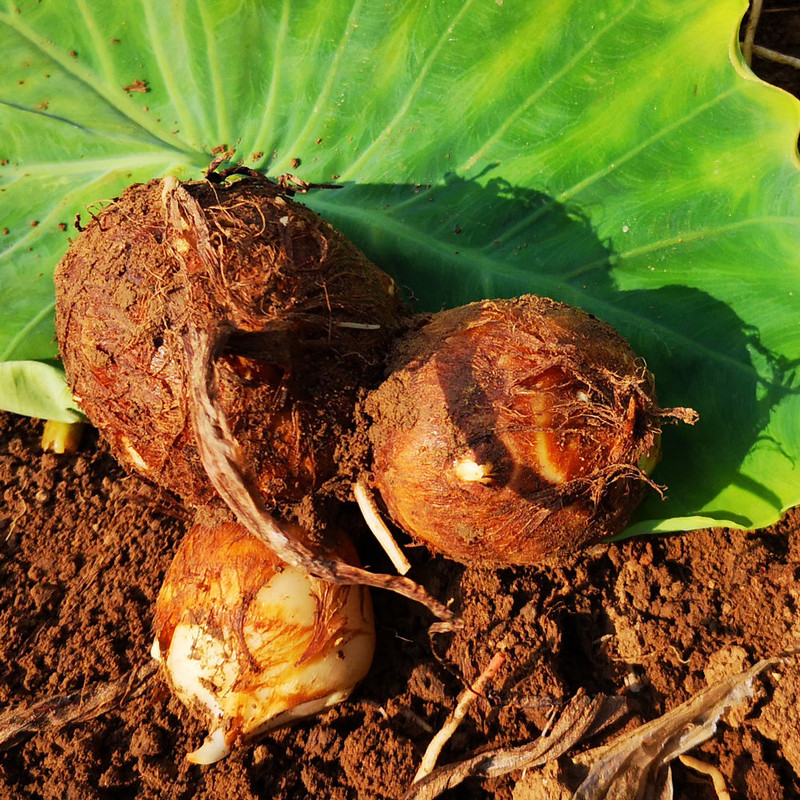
(278, 276)
(509, 430)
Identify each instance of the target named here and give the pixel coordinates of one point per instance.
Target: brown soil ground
(84, 547)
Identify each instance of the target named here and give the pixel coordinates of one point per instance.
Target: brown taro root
(513, 429)
(306, 320)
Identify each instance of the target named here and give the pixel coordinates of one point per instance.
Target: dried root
(59, 711)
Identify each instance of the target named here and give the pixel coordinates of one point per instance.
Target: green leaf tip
(37, 389)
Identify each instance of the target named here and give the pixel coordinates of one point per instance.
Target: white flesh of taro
(247, 656)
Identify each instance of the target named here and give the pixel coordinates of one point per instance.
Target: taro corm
(249, 643)
(301, 317)
(512, 429)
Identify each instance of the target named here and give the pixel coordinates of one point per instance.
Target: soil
(84, 547)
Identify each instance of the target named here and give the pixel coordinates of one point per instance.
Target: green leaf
(38, 390)
(615, 154)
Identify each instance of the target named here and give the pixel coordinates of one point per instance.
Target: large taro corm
(301, 317)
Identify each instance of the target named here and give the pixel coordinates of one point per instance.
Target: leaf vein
(545, 86)
(92, 83)
(327, 86)
(168, 75)
(614, 164)
(267, 120)
(411, 93)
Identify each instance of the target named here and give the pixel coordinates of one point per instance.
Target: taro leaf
(615, 154)
(37, 389)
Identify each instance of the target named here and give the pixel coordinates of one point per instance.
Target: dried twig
(575, 721)
(465, 700)
(634, 765)
(750, 31)
(750, 49)
(290, 182)
(62, 710)
(774, 55)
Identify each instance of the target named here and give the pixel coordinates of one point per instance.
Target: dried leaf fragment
(631, 766)
(59, 711)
